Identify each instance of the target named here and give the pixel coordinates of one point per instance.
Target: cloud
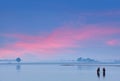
(58, 41)
(113, 42)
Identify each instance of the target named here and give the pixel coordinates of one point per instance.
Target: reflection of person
(103, 72)
(98, 72)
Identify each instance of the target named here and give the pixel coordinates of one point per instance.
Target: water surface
(56, 72)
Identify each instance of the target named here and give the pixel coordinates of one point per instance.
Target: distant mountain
(87, 60)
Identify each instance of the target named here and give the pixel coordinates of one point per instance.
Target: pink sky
(57, 41)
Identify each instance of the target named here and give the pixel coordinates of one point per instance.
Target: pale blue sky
(25, 23)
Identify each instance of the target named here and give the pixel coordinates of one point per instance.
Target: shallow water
(56, 72)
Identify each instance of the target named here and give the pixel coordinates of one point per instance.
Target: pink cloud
(57, 41)
(113, 42)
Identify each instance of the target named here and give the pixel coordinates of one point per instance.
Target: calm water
(56, 73)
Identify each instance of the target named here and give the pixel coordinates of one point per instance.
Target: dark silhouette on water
(98, 72)
(18, 59)
(104, 72)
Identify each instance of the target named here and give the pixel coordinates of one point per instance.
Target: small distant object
(98, 72)
(18, 59)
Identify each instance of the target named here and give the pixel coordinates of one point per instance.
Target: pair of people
(98, 72)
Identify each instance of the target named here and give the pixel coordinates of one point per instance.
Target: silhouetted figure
(98, 72)
(104, 72)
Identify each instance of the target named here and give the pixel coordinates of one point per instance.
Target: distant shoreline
(61, 63)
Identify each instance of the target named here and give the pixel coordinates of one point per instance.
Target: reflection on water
(103, 74)
(85, 67)
(18, 67)
(98, 74)
(57, 73)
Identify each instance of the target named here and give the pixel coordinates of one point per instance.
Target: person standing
(104, 72)
(98, 72)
